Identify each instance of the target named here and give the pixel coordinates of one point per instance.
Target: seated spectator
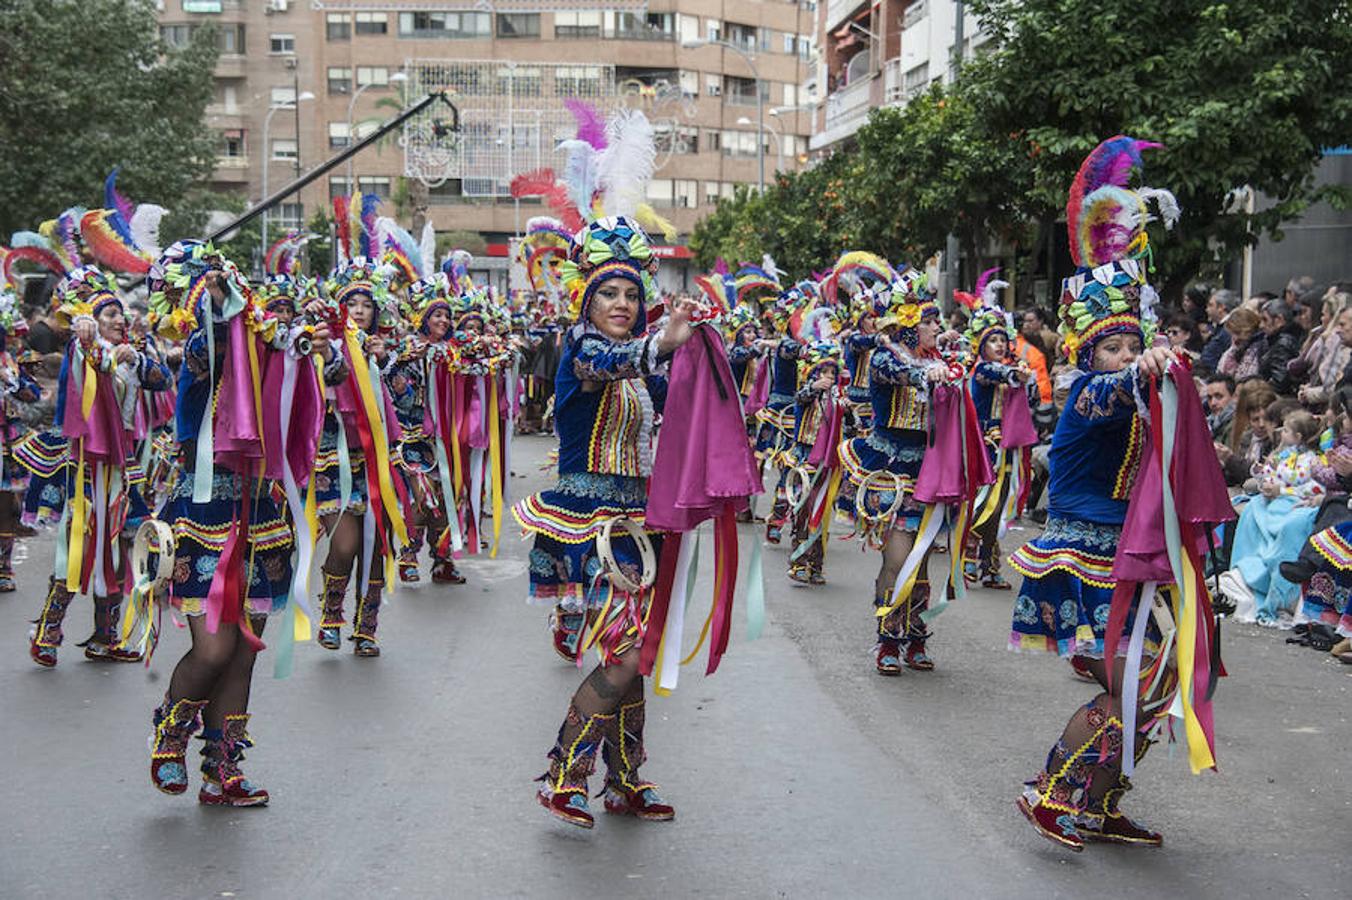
(1327, 352)
(1274, 525)
(1218, 309)
(1220, 405)
(1250, 438)
(1284, 340)
(1247, 344)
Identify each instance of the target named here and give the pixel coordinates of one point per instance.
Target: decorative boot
(174, 724)
(445, 572)
(365, 621)
(889, 640)
(563, 789)
(816, 563)
(46, 634)
(331, 619)
(1055, 801)
(916, 633)
(779, 516)
(223, 784)
(104, 645)
(626, 794)
(408, 557)
(7, 583)
(1108, 825)
(990, 568)
(567, 631)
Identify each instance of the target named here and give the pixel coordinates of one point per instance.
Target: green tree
(1244, 92)
(86, 85)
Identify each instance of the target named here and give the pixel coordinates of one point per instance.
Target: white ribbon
(675, 625)
(305, 539)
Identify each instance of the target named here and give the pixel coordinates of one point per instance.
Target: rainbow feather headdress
(360, 271)
(55, 246)
(83, 292)
(1109, 292)
(987, 315)
(122, 236)
(12, 321)
(867, 277)
(178, 287)
(542, 250)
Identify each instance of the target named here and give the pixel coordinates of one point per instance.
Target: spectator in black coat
(1218, 309)
(1285, 337)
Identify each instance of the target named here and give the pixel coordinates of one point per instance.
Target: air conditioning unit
(714, 90)
(276, 6)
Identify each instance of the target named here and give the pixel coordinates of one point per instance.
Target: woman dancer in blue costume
(776, 419)
(1064, 602)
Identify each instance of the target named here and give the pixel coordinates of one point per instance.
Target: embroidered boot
(566, 629)
(46, 634)
(104, 645)
(174, 724)
(408, 557)
(990, 567)
(816, 563)
(626, 794)
(445, 572)
(365, 621)
(1108, 825)
(331, 617)
(779, 516)
(223, 784)
(916, 633)
(563, 789)
(889, 641)
(1055, 801)
(7, 583)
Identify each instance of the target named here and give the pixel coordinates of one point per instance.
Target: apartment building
(298, 80)
(875, 54)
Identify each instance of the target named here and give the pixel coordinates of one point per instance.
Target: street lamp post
(396, 78)
(760, 101)
(267, 162)
(779, 139)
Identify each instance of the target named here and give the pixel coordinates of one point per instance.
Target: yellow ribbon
(904, 595)
(494, 447)
(256, 379)
(992, 504)
(89, 388)
(75, 558)
(1185, 614)
(379, 438)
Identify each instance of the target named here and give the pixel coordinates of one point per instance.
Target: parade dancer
(17, 387)
(818, 414)
(359, 498)
(776, 418)
(882, 468)
(604, 416)
(863, 273)
(1103, 446)
(232, 543)
(996, 379)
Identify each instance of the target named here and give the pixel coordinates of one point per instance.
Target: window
(340, 80)
(689, 83)
(232, 144)
(230, 38)
(176, 35)
(711, 193)
(913, 82)
(338, 138)
(338, 26)
(374, 184)
(285, 148)
(444, 24)
(514, 25)
(337, 183)
(577, 81)
(228, 97)
(790, 94)
(804, 47)
(914, 13)
(713, 30)
(680, 139)
(713, 140)
(519, 81)
(687, 27)
(659, 192)
(790, 42)
(282, 96)
(713, 85)
(577, 24)
(684, 193)
(282, 43)
(372, 23)
(376, 76)
(742, 91)
(288, 215)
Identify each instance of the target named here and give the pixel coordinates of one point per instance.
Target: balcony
(849, 103)
(231, 170)
(899, 87)
(838, 10)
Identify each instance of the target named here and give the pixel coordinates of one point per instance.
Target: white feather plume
(145, 228)
(579, 174)
(627, 163)
(768, 264)
(1165, 202)
(817, 324)
(427, 248)
(991, 291)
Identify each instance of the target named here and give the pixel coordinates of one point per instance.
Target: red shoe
(888, 662)
(1117, 829)
(174, 726)
(408, 573)
(1080, 666)
(773, 534)
(445, 572)
(641, 800)
(568, 805)
(567, 631)
(996, 582)
(43, 655)
(917, 658)
(235, 792)
(101, 652)
(1053, 824)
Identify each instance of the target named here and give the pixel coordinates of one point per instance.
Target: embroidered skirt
(1063, 604)
(43, 454)
(202, 529)
(861, 457)
(328, 478)
(1328, 594)
(775, 435)
(415, 460)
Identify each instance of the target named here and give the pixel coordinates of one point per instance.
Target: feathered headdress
(122, 236)
(354, 219)
(83, 292)
(410, 259)
(987, 315)
(542, 250)
(12, 321)
(1106, 222)
(866, 277)
(608, 185)
(755, 280)
(55, 246)
(910, 300)
(178, 287)
(283, 257)
(815, 355)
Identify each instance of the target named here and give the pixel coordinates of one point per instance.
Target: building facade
(298, 80)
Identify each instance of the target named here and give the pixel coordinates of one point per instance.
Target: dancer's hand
(84, 329)
(124, 353)
(1156, 361)
(678, 330)
(319, 341)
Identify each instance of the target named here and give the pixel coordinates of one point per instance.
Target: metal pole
(267, 164)
(351, 104)
(511, 141)
(779, 144)
(331, 164)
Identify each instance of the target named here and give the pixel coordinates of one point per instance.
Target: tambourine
(867, 484)
(163, 537)
(795, 494)
(611, 569)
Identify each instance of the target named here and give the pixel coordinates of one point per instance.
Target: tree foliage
(87, 85)
(1241, 93)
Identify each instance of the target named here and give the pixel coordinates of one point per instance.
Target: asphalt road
(796, 771)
